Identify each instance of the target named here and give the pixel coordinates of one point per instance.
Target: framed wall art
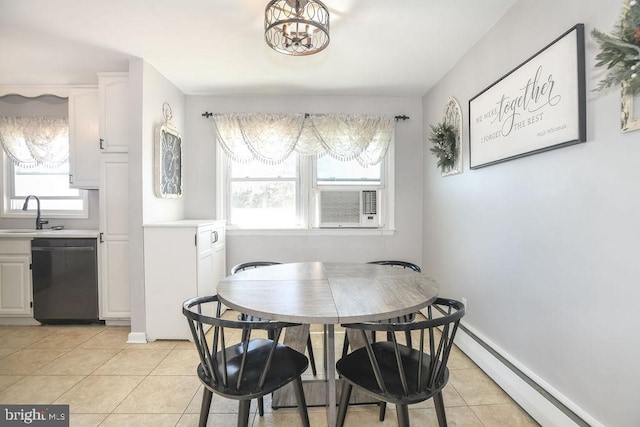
(168, 158)
(538, 106)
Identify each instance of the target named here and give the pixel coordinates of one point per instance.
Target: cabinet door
(205, 261)
(84, 147)
(219, 254)
(114, 111)
(114, 228)
(15, 285)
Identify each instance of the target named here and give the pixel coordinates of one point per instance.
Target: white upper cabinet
(114, 112)
(84, 147)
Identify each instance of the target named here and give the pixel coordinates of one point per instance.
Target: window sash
(308, 186)
(12, 207)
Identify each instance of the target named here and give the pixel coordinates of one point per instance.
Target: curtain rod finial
(402, 117)
(207, 114)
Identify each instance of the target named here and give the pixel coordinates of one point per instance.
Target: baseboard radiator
(546, 405)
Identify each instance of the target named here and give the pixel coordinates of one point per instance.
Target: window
(279, 170)
(51, 185)
(264, 195)
(286, 195)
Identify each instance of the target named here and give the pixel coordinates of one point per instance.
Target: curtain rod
(207, 114)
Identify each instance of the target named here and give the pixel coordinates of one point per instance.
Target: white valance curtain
(35, 141)
(271, 138)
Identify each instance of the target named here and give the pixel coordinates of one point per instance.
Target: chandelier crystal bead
(296, 27)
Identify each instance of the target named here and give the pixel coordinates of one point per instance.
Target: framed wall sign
(168, 159)
(539, 106)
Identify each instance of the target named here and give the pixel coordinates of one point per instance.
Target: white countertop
(24, 233)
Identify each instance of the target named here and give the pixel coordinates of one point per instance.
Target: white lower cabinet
(182, 259)
(15, 278)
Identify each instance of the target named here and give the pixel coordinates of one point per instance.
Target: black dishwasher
(65, 280)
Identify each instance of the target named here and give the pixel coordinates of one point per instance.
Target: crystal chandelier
(296, 27)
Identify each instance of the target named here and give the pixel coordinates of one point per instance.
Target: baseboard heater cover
(539, 401)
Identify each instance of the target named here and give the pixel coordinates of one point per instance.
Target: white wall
(545, 247)
(149, 90)
(200, 179)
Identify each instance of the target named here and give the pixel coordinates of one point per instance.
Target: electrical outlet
(464, 301)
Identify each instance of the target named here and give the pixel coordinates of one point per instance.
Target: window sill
(310, 231)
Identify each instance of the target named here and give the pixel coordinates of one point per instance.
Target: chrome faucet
(39, 220)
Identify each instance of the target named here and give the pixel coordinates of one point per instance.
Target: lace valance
(271, 138)
(35, 141)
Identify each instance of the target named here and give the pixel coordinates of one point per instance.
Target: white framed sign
(539, 106)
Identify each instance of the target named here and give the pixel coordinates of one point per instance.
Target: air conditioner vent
(348, 208)
(340, 207)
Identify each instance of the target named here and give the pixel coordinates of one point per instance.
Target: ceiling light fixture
(296, 27)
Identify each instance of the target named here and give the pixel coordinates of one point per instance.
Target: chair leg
(438, 402)
(204, 408)
(261, 406)
(302, 403)
(403, 415)
(344, 403)
(345, 345)
(383, 410)
(244, 407)
(311, 358)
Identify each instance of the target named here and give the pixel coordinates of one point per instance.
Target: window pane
(286, 169)
(49, 205)
(44, 186)
(331, 171)
(263, 203)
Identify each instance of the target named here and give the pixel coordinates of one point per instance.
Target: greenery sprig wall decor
(620, 50)
(444, 137)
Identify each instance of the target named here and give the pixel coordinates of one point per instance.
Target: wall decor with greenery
(620, 53)
(446, 138)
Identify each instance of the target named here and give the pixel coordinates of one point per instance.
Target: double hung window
(277, 170)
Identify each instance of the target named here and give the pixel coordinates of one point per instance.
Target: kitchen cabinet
(182, 259)
(114, 237)
(84, 147)
(114, 112)
(15, 278)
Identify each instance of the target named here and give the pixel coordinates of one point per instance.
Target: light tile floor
(108, 382)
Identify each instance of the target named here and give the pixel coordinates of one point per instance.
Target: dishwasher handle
(62, 249)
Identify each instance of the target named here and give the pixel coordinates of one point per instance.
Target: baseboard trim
(137, 338)
(547, 406)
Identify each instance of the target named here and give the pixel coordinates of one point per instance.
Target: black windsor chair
(400, 374)
(243, 371)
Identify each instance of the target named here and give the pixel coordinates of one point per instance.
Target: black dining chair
(400, 374)
(244, 371)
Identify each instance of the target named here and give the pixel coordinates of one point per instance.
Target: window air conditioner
(348, 208)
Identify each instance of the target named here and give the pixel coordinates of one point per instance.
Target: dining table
(329, 294)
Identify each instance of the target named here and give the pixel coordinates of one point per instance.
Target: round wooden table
(329, 294)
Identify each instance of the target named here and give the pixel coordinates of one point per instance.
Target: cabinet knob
(215, 236)
(101, 144)
(70, 178)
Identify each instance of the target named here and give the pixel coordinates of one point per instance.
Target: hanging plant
(620, 51)
(444, 138)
